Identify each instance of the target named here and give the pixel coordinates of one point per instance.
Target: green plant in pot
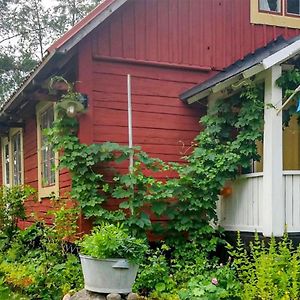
(110, 257)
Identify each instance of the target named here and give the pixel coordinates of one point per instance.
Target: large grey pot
(108, 275)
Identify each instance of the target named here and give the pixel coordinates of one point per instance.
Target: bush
(12, 208)
(185, 273)
(35, 261)
(267, 272)
(113, 241)
(38, 266)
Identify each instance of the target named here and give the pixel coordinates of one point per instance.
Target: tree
(67, 12)
(25, 37)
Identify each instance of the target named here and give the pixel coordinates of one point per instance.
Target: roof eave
(30, 79)
(196, 94)
(85, 27)
(193, 96)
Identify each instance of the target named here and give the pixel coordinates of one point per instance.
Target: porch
(243, 210)
(266, 200)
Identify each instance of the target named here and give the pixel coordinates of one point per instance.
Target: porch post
(273, 213)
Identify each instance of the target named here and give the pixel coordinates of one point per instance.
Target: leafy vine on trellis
(188, 201)
(289, 81)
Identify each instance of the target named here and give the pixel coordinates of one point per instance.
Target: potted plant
(109, 259)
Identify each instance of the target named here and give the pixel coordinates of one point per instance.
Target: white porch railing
(243, 210)
(292, 200)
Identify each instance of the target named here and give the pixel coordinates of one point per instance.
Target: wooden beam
(42, 95)
(9, 124)
(273, 216)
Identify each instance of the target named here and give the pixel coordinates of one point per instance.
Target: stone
(113, 297)
(133, 296)
(67, 297)
(86, 295)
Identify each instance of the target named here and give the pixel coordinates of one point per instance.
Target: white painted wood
(244, 209)
(288, 196)
(282, 55)
(292, 172)
(292, 200)
(129, 112)
(274, 205)
(241, 210)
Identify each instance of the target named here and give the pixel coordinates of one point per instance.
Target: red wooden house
(168, 47)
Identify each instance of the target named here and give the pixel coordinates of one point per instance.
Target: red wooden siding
(1, 166)
(30, 153)
(212, 33)
(162, 124)
(40, 209)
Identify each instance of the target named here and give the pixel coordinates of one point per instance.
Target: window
(270, 6)
(283, 13)
(47, 153)
(12, 158)
(293, 7)
(48, 175)
(16, 158)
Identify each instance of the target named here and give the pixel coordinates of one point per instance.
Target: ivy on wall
(188, 202)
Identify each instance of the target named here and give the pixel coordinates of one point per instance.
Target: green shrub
(154, 273)
(36, 264)
(35, 261)
(267, 272)
(113, 241)
(186, 273)
(12, 208)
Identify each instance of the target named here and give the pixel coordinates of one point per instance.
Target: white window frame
(51, 190)
(8, 177)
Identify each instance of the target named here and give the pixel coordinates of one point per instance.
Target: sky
(48, 3)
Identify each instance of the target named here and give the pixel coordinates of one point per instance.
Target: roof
(263, 58)
(86, 25)
(62, 46)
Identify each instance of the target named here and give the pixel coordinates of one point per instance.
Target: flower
(214, 281)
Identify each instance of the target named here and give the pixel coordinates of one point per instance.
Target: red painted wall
(212, 33)
(167, 46)
(183, 36)
(38, 208)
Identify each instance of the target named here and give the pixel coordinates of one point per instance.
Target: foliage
(185, 273)
(12, 208)
(154, 272)
(113, 241)
(65, 215)
(289, 81)
(36, 261)
(25, 37)
(223, 148)
(267, 272)
(188, 201)
(6, 293)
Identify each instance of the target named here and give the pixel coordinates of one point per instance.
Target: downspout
(130, 144)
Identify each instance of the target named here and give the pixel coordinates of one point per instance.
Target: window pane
(293, 7)
(6, 162)
(17, 159)
(47, 153)
(270, 5)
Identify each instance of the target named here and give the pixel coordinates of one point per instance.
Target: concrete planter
(108, 275)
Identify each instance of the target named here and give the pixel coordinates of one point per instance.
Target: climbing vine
(225, 148)
(188, 200)
(289, 81)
